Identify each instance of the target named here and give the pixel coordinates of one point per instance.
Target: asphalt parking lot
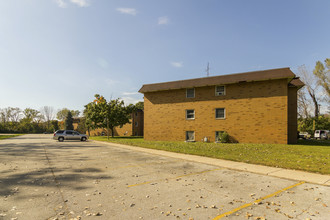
(44, 179)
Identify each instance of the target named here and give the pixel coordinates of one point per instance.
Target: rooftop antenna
(208, 69)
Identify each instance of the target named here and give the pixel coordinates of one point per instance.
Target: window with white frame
(190, 114)
(220, 113)
(190, 136)
(220, 90)
(190, 93)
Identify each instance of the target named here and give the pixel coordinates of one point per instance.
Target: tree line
(314, 95)
(99, 113)
(28, 120)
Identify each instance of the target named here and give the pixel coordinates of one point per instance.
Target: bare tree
(3, 116)
(15, 114)
(6, 115)
(10, 114)
(303, 104)
(311, 86)
(48, 113)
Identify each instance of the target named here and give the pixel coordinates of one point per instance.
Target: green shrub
(224, 137)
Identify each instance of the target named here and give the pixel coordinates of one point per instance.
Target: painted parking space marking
(177, 177)
(256, 201)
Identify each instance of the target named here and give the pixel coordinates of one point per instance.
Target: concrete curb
(253, 168)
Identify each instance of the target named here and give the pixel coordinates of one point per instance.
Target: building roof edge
(261, 75)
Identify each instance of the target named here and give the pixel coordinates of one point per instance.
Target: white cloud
(64, 4)
(177, 64)
(163, 20)
(131, 100)
(130, 93)
(131, 97)
(130, 11)
(61, 3)
(81, 3)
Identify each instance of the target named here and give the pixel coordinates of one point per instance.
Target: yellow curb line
(256, 201)
(139, 184)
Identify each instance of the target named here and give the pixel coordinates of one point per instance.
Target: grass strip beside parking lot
(6, 136)
(311, 156)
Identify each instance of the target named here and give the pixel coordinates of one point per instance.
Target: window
(190, 136)
(190, 93)
(218, 136)
(219, 113)
(220, 90)
(190, 114)
(136, 124)
(136, 114)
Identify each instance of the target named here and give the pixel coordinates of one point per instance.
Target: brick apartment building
(252, 107)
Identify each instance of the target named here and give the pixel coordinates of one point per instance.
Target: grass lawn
(307, 155)
(5, 136)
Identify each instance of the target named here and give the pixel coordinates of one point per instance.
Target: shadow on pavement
(44, 178)
(25, 164)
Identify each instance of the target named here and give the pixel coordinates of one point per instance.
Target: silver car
(62, 135)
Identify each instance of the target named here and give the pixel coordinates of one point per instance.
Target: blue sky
(61, 52)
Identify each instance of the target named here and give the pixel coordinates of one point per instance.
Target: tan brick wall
(75, 125)
(255, 113)
(97, 132)
(126, 130)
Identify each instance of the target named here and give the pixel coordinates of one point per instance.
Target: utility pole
(208, 69)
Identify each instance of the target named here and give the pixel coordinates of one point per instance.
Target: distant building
(134, 128)
(76, 121)
(252, 107)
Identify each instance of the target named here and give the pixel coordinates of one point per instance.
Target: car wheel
(83, 139)
(61, 139)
